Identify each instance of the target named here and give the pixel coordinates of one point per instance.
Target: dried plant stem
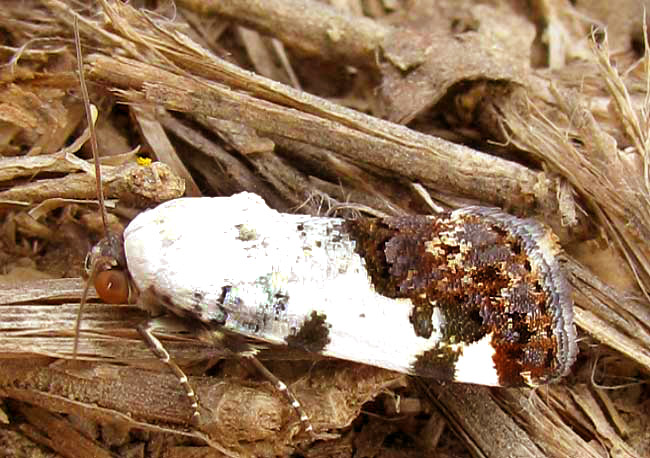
(311, 26)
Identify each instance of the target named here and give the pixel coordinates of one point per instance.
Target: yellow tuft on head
(143, 160)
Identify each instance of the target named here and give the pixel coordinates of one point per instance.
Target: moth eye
(112, 286)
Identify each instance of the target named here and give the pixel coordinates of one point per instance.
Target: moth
(474, 295)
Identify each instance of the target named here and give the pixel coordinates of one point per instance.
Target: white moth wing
(269, 272)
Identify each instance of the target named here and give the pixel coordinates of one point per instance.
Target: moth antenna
(82, 303)
(91, 126)
(100, 191)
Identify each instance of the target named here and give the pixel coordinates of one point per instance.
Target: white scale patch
(279, 268)
(475, 363)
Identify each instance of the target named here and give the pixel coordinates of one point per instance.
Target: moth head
(106, 267)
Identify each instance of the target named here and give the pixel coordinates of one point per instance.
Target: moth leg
(145, 330)
(285, 391)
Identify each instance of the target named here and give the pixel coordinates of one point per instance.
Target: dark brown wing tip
(545, 256)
